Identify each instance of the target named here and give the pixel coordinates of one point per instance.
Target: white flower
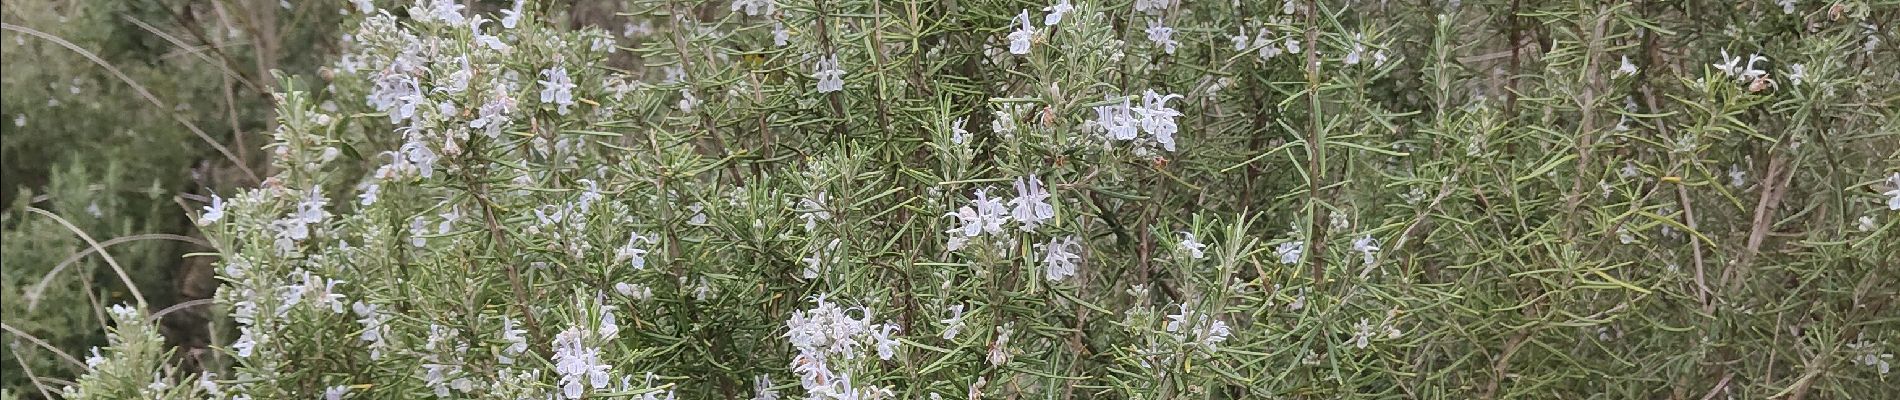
(609, 329)
(1056, 11)
(93, 361)
(812, 209)
(1059, 259)
(1020, 38)
(1152, 7)
(371, 192)
(576, 362)
(213, 212)
(1358, 49)
(1797, 73)
(754, 7)
(999, 349)
(328, 294)
(1161, 35)
(447, 11)
(699, 214)
(1117, 120)
(1729, 65)
(886, 347)
(557, 89)
(1736, 176)
(246, 343)
(1290, 252)
(704, 290)
(829, 73)
(1787, 6)
(1893, 195)
(1195, 248)
(958, 135)
(364, 6)
(517, 342)
(1157, 119)
(1367, 247)
(1749, 72)
(335, 392)
(475, 27)
(1734, 67)
(1626, 68)
(762, 388)
(780, 36)
(634, 290)
(1865, 223)
(983, 215)
(687, 101)
(1362, 333)
(158, 384)
(954, 324)
(629, 253)
(512, 16)
(1031, 206)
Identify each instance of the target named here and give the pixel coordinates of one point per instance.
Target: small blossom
(1893, 193)
(1059, 262)
(1797, 73)
(557, 89)
(335, 392)
(829, 73)
(1362, 333)
(762, 388)
(1367, 247)
(1056, 11)
(999, 349)
(1195, 248)
(1162, 35)
(1031, 206)
(1626, 68)
(754, 7)
(1290, 252)
(512, 16)
(954, 324)
(812, 209)
(93, 361)
(213, 212)
(1020, 38)
(630, 253)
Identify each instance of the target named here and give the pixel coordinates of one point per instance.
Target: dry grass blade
(142, 93)
(140, 297)
(42, 343)
(33, 294)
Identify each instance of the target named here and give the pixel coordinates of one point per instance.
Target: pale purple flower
(1056, 11)
(829, 73)
(1020, 38)
(557, 89)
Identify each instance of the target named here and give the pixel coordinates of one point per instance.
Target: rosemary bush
(1001, 199)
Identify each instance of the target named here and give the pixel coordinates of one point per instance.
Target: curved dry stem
(33, 294)
(175, 307)
(35, 378)
(140, 89)
(42, 343)
(140, 297)
(195, 51)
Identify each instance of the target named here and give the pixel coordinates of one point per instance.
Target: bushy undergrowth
(991, 199)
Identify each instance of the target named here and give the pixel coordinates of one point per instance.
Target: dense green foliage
(992, 199)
